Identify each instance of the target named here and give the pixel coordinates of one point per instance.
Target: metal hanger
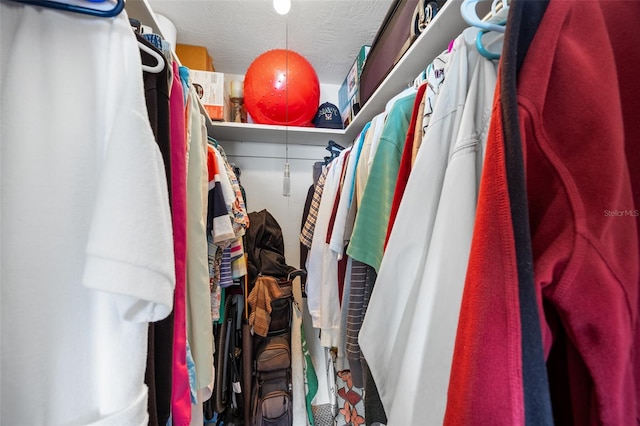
(76, 8)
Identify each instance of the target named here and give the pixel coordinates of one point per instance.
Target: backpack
(271, 396)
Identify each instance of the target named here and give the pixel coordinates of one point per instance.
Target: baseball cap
(328, 116)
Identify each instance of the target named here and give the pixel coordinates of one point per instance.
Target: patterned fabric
(265, 290)
(239, 210)
(435, 78)
(226, 278)
(154, 39)
(216, 296)
(223, 179)
(336, 201)
(215, 258)
(306, 236)
(362, 276)
(237, 249)
(354, 316)
(350, 401)
(218, 222)
(238, 260)
(322, 415)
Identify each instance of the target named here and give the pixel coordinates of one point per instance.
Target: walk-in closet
(329, 213)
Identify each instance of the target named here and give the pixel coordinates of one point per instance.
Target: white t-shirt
(322, 263)
(86, 243)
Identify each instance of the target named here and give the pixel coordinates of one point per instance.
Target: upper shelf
(446, 26)
(228, 131)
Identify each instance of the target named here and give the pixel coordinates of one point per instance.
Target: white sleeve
(130, 246)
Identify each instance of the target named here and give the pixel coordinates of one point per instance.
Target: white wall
(329, 93)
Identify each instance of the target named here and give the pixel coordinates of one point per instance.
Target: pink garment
(180, 396)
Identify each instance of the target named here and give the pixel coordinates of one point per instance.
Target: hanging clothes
(435, 77)
(423, 271)
(427, 96)
(405, 160)
(219, 227)
(77, 297)
(366, 156)
(367, 240)
(322, 265)
(180, 396)
(160, 346)
(199, 319)
(585, 276)
(308, 228)
(339, 236)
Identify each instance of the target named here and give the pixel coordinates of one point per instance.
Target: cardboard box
(349, 107)
(350, 112)
(195, 57)
(348, 95)
(211, 91)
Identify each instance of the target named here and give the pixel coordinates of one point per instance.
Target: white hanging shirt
(322, 263)
(412, 317)
(86, 241)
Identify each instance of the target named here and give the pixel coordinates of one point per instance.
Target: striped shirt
(306, 236)
(226, 277)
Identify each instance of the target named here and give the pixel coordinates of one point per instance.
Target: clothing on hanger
(87, 293)
(564, 257)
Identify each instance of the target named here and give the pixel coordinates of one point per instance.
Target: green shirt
(370, 230)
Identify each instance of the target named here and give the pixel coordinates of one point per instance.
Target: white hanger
(468, 11)
(499, 14)
(161, 61)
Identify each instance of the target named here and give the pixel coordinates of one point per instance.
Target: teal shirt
(370, 229)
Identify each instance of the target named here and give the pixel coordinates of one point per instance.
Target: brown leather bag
(402, 25)
(391, 42)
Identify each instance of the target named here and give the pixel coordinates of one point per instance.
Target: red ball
(281, 87)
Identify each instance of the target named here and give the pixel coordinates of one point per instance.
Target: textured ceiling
(328, 33)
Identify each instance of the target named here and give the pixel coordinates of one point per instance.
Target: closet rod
(275, 157)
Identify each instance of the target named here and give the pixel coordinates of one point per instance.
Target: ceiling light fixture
(282, 6)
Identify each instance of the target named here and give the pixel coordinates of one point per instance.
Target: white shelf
(227, 131)
(446, 26)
